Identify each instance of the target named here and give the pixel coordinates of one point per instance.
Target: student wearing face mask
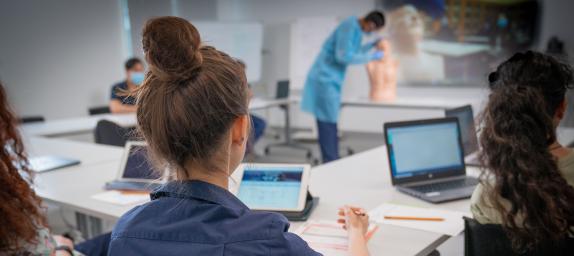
(119, 102)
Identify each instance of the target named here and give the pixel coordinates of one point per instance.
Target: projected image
(456, 42)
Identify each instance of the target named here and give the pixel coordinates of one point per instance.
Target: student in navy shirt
(120, 102)
(193, 113)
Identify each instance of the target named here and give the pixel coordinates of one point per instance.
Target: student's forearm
(358, 244)
(117, 108)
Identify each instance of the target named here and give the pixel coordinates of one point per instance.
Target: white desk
(362, 180)
(409, 103)
(86, 124)
(77, 125)
(87, 153)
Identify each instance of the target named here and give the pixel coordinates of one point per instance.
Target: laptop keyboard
(447, 185)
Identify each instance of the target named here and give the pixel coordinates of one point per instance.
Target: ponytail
(515, 138)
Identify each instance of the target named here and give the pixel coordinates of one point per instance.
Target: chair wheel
(315, 161)
(266, 150)
(350, 151)
(309, 155)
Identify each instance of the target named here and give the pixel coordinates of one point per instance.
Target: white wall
(59, 57)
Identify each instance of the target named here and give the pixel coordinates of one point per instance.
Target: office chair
(490, 239)
(31, 119)
(99, 110)
(282, 92)
(110, 133)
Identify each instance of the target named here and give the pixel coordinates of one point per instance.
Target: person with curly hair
(24, 230)
(527, 184)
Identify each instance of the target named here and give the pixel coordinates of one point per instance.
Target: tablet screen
(271, 187)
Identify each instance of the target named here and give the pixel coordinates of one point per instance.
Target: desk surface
(410, 102)
(86, 124)
(362, 179)
(87, 153)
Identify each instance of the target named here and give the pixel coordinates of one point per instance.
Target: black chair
(110, 133)
(31, 119)
(490, 239)
(99, 110)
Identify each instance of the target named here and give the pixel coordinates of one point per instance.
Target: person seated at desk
(24, 229)
(193, 113)
(527, 184)
(119, 102)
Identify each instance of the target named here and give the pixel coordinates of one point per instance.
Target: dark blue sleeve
(291, 244)
(114, 94)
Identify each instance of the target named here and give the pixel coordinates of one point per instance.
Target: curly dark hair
(517, 130)
(20, 208)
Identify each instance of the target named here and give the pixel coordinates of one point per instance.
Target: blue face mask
(137, 78)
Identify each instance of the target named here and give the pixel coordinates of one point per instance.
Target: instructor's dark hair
(190, 97)
(377, 18)
(518, 129)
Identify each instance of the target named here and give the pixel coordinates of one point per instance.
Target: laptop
(468, 131)
(136, 173)
(426, 159)
(282, 91)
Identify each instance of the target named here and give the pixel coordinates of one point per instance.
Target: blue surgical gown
(322, 92)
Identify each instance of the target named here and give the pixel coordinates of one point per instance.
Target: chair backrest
(31, 119)
(99, 110)
(109, 133)
(490, 239)
(282, 89)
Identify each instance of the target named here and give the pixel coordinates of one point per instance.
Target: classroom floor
(358, 142)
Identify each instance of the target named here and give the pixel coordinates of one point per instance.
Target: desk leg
(288, 143)
(89, 226)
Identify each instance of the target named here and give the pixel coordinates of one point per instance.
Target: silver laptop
(468, 131)
(136, 171)
(426, 159)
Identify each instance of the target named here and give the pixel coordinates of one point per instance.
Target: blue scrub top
(322, 92)
(199, 218)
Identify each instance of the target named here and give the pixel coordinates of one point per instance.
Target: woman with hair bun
(193, 113)
(528, 178)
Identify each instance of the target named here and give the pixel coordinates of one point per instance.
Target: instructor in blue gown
(322, 93)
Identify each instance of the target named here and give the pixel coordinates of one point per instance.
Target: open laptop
(136, 172)
(468, 131)
(426, 159)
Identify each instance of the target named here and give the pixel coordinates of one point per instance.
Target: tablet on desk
(49, 163)
(273, 187)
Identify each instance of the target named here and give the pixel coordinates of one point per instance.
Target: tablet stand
(310, 205)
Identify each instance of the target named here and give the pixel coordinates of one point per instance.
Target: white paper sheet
(327, 237)
(122, 198)
(452, 225)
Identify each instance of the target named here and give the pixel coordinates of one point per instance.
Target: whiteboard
(240, 40)
(307, 38)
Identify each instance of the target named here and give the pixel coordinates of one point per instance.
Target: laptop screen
(424, 149)
(138, 166)
(467, 128)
